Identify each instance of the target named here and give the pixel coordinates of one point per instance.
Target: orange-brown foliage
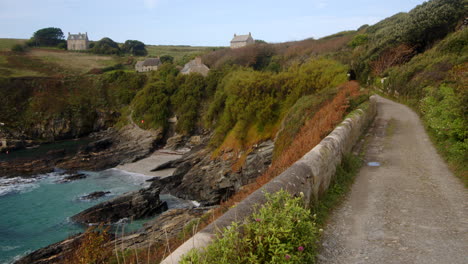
(392, 57)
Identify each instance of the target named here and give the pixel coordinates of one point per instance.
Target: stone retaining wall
(310, 175)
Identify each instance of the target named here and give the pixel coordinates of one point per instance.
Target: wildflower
(301, 248)
(258, 220)
(320, 230)
(301, 194)
(287, 257)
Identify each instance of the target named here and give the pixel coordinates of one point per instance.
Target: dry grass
(74, 61)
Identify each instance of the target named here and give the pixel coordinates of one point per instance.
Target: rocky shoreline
(194, 175)
(109, 149)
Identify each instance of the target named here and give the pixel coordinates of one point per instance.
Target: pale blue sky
(199, 22)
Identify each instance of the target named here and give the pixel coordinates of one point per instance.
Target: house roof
(78, 36)
(152, 62)
(195, 66)
(241, 38)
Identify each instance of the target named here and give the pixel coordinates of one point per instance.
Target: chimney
(68, 33)
(235, 35)
(250, 34)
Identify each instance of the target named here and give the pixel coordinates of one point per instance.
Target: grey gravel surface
(410, 209)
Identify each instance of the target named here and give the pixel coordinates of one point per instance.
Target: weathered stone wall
(77, 44)
(310, 175)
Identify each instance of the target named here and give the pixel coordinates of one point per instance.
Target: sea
(35, 211)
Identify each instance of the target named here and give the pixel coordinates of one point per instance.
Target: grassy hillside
(181, 54)
(6, 44)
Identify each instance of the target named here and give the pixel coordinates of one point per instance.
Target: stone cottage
(77, 41)
(197, 66)
(240, 41)
(147, 65)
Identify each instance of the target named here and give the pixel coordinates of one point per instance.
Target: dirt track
(410, 209)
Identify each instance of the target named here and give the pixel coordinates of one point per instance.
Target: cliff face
(50, 109)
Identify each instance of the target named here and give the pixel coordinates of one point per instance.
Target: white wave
(23, 185)
(131, 177)
(9, 248)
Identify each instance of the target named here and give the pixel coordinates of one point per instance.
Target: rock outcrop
(94, 195)
(132, 205)
(52, 254)
(199, 177)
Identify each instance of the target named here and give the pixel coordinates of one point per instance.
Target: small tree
(18, 48)
(135, 47)
(48, 37)
(166, 58)
(106, 46)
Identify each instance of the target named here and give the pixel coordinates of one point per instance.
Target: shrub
(358, 40)
(105, 46)
(281, 231)
(18, 48)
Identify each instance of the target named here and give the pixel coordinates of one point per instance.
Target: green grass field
(53, 62)
(181, 54)
(6, 44)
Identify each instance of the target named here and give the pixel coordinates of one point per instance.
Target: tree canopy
(48, 37)
(106, 46)
(135, 47)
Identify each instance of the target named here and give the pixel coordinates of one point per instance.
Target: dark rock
(74, 177)
(133, 205)
(55, 253)
(208, 181)
(56, 153)
(98, 146)
(168, 165)
(94, 195)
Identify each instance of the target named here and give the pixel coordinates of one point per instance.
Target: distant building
(240, 41)
(197, 66)
(77, 41)
(147, 65)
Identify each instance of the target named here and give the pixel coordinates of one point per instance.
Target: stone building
(147, 65)
(240, 41)
(197, 66)
(77, 41)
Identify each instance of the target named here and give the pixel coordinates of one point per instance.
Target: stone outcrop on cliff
(199, 177)
(132, 205)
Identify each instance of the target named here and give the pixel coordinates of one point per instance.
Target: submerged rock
(94, 195)
(133, 205)
(74, 177)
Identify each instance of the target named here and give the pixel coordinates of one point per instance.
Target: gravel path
(410, 209)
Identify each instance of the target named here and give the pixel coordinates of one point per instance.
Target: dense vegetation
(47, 37)
(281, 231)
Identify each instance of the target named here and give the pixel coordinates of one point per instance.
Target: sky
(195, 22)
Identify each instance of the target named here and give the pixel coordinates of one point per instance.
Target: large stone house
(197, 66)
(147, 65)
(240, 41)
(77, 41)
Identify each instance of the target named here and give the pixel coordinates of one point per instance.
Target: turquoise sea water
(35, 212)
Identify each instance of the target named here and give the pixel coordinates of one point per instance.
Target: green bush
(358, 40)
(246, 97)
(281, 231)
(443, 112)
(18, 48)
(106, 46)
